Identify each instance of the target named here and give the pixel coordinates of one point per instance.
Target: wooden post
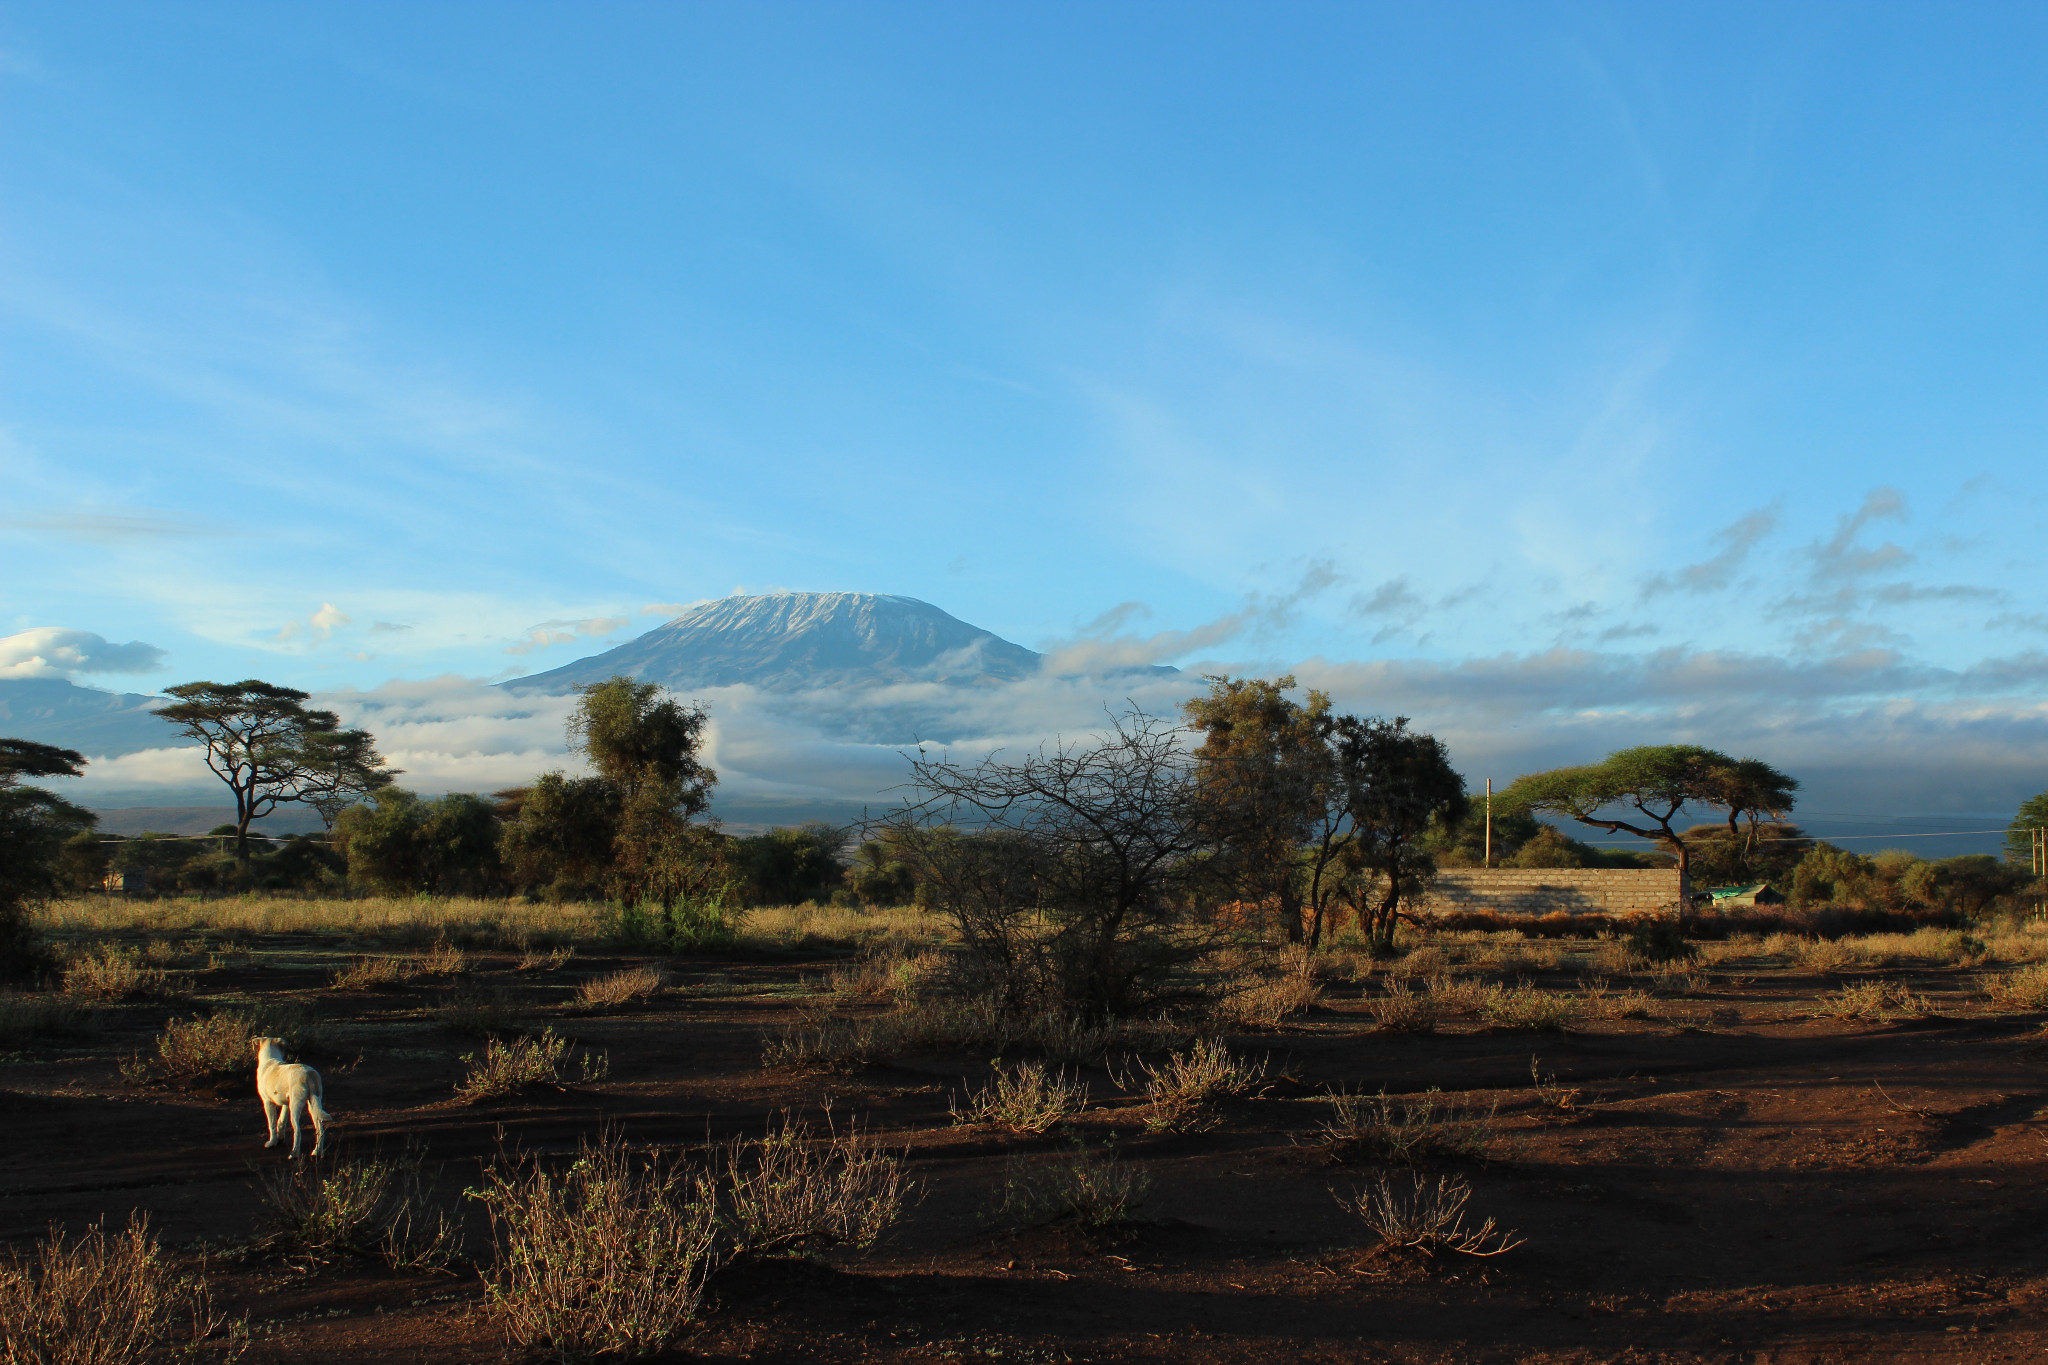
(1489, 822)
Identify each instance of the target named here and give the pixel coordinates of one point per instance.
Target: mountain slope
(97, 724)
(800, 641)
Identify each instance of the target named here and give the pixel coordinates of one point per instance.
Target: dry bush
(1406, 1129)
(1428, 1218)
(1403, 1010)
(779, 928)
(607, 1258)
(215, 1045)
(889, 968)
(1264, 1002)
(23, 1017)
(1423, 962)
(1086, 1186)
(371, 1208)
(1523, 1007)
(1823, 956)
(1183, 1087)
(443, 959)
(375, 973)
(1599, 1000)
(1025, 1098)
(101, 1300)
(2025, 989)
(797, 1191)
(622, 987)
(1617, 957)
(817, 1043)
(113, 974)
(1557, 1100)
(534, 960)
(1879, 1000)
(506, 1068)
(1459, 995)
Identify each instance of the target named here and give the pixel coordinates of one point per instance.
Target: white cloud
(564, 632)
(52, 652)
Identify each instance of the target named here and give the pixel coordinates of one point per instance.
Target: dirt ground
(1736, 1180)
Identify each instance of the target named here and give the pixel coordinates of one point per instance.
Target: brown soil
(1737, 1181)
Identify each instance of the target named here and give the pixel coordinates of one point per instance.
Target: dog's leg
(273, 1121)
(295, 1104)
(319, 1117)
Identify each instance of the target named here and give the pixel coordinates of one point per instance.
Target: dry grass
(1554, 1100)
(1523, 1007)
(1882, 1001)
(1089, 1187)
(625, 987)
(1403, 1009)
(1266, 1002)
(1406, 1129)
(409, 921)
(507, 1068)
(443, 959)
(375, 973)
(1599, 1000)
(113, 974)
(1427, 1218)
(796, 1190)
(2025, 989)
(370, 1208)
(1025, 1098)
(784, 927)
(101, 1300)
(554, 959)
(1184, 1087)
(608, 1258)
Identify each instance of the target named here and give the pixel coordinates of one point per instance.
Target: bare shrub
(1091, 1187)
(1421, 963)
(609, 1257)
(1264, 1002)
(1617, 957)
(112, 974)
(534, 960)
(2025, 989)
(371, 1208)
(1427, 1218)
(1558, 1100)
(375, 973)
(100, 1300)
(507, 1068)
(796, 1191)
(443, 959)
(1459, 995)
(1878, 1000)
(1524, 1007)
(1599, 1000)
(1406, 1129)
(1025, 1098)
(622, 988)
(1182, 1088)
(1823, 956)
(1403, 1009)
(820, 1043)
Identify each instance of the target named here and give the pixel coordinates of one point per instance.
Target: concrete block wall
(1557, 890)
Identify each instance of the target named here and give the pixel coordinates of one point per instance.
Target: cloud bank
(53, 652)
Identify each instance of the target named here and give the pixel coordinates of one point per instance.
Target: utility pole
(1489, 822)
(2037, 845)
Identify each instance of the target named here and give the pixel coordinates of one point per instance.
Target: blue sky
(1561, 374)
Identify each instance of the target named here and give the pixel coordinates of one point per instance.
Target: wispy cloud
(549, 633)
(1719, 570)
(1843, 556)
(113, 526)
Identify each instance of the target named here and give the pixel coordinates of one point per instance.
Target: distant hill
(804, 641)
(97, 724)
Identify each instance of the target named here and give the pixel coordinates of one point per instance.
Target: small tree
(1656, 781)
(1397, 784)
(1070, 873)
(269, 749)
(35, 826)
(558, 834)
(402, 844)
(2019, 835)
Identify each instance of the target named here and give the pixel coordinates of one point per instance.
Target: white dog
(288, 1089)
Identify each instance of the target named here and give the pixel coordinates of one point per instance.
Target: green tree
(559, 834)
(263, 742)
(1656, 781)
(35, 826)
(1397, 783)
(1264, 769)
(791, 865)
(2019, 839)
(879, 875)
(401, 843)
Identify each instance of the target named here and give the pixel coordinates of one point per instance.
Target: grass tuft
(1025, 1098)
(796, 1191)
(1184, 1088)
(1090, 1187)
(1427, 1218)
(621, 988)
(507, 1068)
(1407, 1130)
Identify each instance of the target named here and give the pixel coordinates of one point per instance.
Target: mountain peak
(797, 641)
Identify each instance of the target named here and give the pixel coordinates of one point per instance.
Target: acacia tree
(34, 827)
(1396, 783)
(1657, 781)
(1070, 872)
(1264, 767)
(269, 749)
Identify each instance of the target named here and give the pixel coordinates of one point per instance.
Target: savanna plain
(1483, 1147)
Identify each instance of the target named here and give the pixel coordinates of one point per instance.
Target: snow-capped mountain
(804, 641)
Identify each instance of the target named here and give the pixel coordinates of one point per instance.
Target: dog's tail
(318, 1110)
